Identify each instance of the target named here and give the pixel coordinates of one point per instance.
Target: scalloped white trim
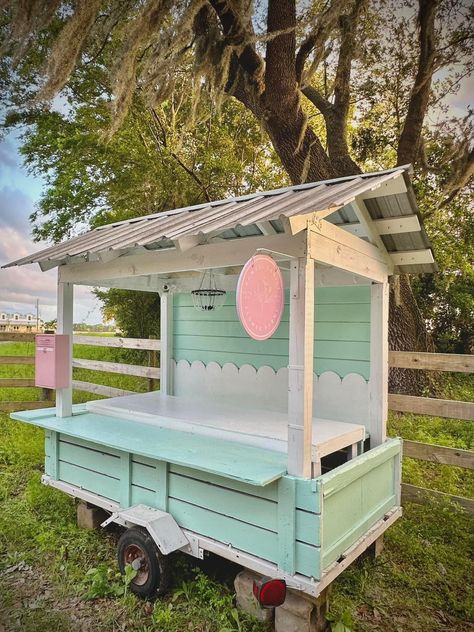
(342, 399)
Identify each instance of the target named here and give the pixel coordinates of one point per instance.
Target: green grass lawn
(55, 577)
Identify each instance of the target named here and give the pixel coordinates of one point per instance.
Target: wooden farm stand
(272, 454)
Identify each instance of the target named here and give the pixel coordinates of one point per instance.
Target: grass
(48, 567)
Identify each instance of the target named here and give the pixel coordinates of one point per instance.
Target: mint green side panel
(280, 522)
(355, 496)
(342, 333)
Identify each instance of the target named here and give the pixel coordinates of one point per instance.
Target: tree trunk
(407, 332)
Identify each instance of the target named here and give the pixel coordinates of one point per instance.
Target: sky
(21, 286)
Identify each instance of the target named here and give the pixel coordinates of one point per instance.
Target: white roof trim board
(387, 194)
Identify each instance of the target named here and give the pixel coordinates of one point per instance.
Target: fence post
(152, 362)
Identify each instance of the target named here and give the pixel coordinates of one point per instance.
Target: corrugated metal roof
(239, 217)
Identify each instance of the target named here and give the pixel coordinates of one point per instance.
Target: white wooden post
(378, 383)
(300, 369)
(65, 326)
(166, 349)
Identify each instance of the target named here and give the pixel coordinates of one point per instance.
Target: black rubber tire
(154, 575)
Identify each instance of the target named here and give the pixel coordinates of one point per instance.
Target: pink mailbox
(52, 361)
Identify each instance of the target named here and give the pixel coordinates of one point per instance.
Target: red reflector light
(269, 592)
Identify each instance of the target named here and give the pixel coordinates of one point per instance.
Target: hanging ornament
(260, 297)
(208, 297)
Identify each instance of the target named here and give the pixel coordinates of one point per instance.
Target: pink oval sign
(260, 297)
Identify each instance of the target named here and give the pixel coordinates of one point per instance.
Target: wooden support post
(152, 362)
(166, 336)
(65, 326)
(300, 369)
(378, 383)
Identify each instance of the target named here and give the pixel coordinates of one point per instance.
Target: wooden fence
(396, 402)
(455, 363)
(151, 372)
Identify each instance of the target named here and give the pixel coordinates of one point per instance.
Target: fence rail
(398, 402)
(448, 362)
(151, 372)
(449, 408)
(456, 362)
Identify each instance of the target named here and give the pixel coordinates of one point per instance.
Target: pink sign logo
(260, 297)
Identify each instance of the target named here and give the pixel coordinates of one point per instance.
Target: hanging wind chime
(208, 297)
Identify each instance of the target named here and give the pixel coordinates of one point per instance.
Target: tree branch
(410, 137)
(462, 173)
(316, 40)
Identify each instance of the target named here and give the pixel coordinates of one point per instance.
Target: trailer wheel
(137, 548)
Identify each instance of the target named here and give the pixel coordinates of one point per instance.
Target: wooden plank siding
(100, 389)
(430, 406)
(342, 333)
(438, 454)
(423, 496)
(116, 367)
(459, 363)
(355, 496)
(230, 511)
(301, 525)
(12, 336)
(17, 382)
(11, 359)
(117, 342)
(11, 407)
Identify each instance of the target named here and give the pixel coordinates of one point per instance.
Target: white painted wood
(233, 422)
(300, 368)
(166, 335)
(370, 230)
(330, 277)
(411, 257)
(389, 187)
(335, 247)
(378, 384)
(99, 389)
(187, 242)
(389, 226)
(333, 398)
(225, 253)
(116, 367)
(118, 342)
(145, 283)
(266, 228)
(298, 223)
(65, 307)
(397, 225)
(354, 228)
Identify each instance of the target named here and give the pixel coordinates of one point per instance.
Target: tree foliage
(321, 88)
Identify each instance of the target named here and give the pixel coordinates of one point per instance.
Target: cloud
(21, 286)
(15, 209)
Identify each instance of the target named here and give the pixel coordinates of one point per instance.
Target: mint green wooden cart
(271, 454)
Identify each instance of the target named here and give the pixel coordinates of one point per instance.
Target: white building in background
(14, 321)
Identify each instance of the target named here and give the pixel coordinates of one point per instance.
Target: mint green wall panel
(356, 495)
(269, 492)
(145, 475)
(342, 333)
(308, 560)
(142, 496)
(330, 513)
(243, 507)
(239, 534)
(92, 459)
(89, 480)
